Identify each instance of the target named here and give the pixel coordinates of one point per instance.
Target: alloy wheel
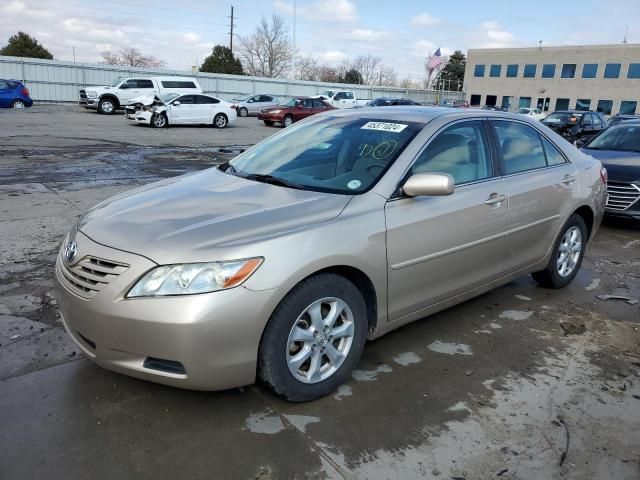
(18, 104)
(221, 121)
(288, 121)
(569, 251)
(107, 106)
(320, 340)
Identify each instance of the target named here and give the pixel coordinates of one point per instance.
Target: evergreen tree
(222, 60)
(24, 45)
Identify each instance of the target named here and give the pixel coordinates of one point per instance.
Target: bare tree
(307, 68)
(387, 77)
(369, 67)
(327, 74)
(410, 84)
(267, 52)
(132, 57)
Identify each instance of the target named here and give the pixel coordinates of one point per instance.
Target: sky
(401, 32)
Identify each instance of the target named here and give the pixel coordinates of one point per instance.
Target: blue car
(13, 94)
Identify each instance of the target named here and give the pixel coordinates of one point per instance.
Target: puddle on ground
(301, 421)
(523, 297)
(266, 422)
(495, 326)
(450, 348)
(407, 358)
(595, 283)
(343, 391)
(370, 375)
(516, 314)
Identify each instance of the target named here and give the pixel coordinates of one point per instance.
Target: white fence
(56, 81)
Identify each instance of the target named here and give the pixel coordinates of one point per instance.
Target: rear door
(207, 107)
(540, 183)
(440, 247)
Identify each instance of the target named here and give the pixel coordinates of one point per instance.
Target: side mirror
(428, 185)
(176, 103)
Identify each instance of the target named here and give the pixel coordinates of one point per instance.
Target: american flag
(435, 60)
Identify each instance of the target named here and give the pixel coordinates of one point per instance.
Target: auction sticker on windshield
(384, 126)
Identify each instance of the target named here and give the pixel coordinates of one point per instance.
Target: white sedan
(532, 112)
(191, 109)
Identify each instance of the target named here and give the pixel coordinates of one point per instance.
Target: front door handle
(495, 198)
(568, 179)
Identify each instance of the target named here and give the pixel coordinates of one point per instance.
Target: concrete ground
(520, 383)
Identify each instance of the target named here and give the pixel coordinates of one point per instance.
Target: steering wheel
(379, 165)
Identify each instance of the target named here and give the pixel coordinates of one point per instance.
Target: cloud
(321, 10)
(332, 56)
(366, 35)
(493, 35)
(425, 20)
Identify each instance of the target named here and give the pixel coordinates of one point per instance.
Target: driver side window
(461, 151)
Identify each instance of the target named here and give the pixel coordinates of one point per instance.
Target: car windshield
(523, 110)
(242, 99)
(167, 97)
(344, 155)
(117, 82)
(623, 137)
(563, 117)
(327, 93)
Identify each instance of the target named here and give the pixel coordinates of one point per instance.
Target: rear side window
(203, 99)
(307, 103)
(177, 84)
(520, 146)
(318, 104)
(554, 157)
(461, 151)
(265, 98)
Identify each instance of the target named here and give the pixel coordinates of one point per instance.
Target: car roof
(573, 111)
(422, 114)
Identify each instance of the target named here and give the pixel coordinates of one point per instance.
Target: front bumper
(202, 342)
(140, 117)
(90, 103)
(270, 117)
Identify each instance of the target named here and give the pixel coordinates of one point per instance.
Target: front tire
(107, 106)
(159, 120)
(220, 120)
(287, 121)
(18, 104)
(567, 255)
(314, 338)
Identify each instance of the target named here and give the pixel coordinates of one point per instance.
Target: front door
(540, 184)
(440, 247)
(184, 111)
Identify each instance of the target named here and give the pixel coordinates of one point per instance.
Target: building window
(612, 70)
(568, 70)
(512, 70)
(524, 102)
(530, 70)
(475, 100)
(548, 70)
(628, 107)
(562, 104)
(506, 102)
(495, 71)
(478, 71)
(491, 100)
(583, 104)
(634, 70)
(589, 70)
(605, 106)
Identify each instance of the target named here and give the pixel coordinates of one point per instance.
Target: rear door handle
(495, 198)
(568, 179)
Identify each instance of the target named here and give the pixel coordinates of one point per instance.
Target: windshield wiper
(273, 180)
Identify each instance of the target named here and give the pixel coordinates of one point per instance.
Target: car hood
(622, 166)
(146, 99)
(184, 218)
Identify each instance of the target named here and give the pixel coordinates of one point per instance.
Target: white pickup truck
(108, 99)
(342, 98)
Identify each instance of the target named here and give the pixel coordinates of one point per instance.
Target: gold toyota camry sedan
(282, 263)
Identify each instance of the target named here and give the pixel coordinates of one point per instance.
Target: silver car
(341, 228)
(252, 105)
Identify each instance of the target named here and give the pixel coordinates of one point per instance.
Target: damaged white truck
(108, 99)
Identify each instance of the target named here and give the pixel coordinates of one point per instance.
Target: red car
(295, 109)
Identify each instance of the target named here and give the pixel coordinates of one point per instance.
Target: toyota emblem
(70, 251)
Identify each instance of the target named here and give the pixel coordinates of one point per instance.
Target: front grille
(622, 195)
(89, 275)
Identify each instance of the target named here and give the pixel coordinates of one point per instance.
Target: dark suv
(576, 125)
(387, 101)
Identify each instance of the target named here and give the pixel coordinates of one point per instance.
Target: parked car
(341, 98)
(621, 117)
(252, 104)
(535, 113)
(13, 94)
(295, 109)
(173, 109)
(576, 124)
(390, 101)
(494, 108)
(283, 262)
(453, 103)
(618, 148)
(122, 91)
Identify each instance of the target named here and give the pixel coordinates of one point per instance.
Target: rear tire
(18, 104)
(220, 120)
(243, 112)
(268, 123)
(567, 255)
(328, 315)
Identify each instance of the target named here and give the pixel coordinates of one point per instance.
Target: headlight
(91, 94)
(274, 111)
(190, 278)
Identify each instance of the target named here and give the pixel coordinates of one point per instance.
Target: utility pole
(231, 31)
(293, 60)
